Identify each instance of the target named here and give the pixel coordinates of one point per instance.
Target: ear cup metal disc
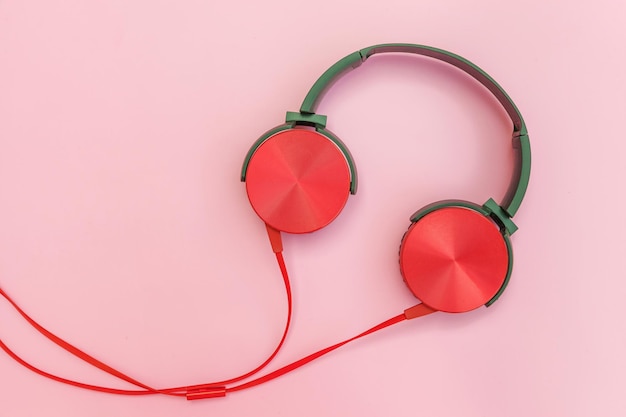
(298, 181)
(454, 259)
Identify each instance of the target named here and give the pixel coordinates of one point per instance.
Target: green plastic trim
(500, 216)
(331, 136)
(485, 212)
(314, 120)
(258, 143)
(354, 179)
(447, 203)
(521, 175)
(507, 278)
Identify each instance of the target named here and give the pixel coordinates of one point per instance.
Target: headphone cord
(146, 389)
(416, 311)
(210, 390)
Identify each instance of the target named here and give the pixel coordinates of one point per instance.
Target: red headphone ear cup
(454, 259)
(298, 181)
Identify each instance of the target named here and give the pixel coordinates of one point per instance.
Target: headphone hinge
(317, 121)
(498, 214)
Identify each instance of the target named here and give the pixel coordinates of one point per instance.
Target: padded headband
(515, 193)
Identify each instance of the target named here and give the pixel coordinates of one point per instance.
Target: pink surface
(125, 229)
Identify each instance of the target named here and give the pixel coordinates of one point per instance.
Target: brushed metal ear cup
(298, 181)
(454, 259)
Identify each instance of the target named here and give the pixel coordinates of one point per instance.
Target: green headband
(515, 193)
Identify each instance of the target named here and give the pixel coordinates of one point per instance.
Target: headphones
(455, 256)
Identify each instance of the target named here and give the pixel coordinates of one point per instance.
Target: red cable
(177, 391)
(211, 390)
(72, 349)
(283, 271)
(312, 357)
(27, 365)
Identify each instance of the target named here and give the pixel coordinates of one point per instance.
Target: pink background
(125, 229)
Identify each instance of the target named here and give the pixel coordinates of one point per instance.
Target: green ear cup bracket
(318, 122)
(515, 194)
(265, 136)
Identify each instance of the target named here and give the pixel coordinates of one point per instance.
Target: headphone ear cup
(297, 180)
(454, 257)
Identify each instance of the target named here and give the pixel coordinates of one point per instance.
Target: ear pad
(298, 181)
(454, 259)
